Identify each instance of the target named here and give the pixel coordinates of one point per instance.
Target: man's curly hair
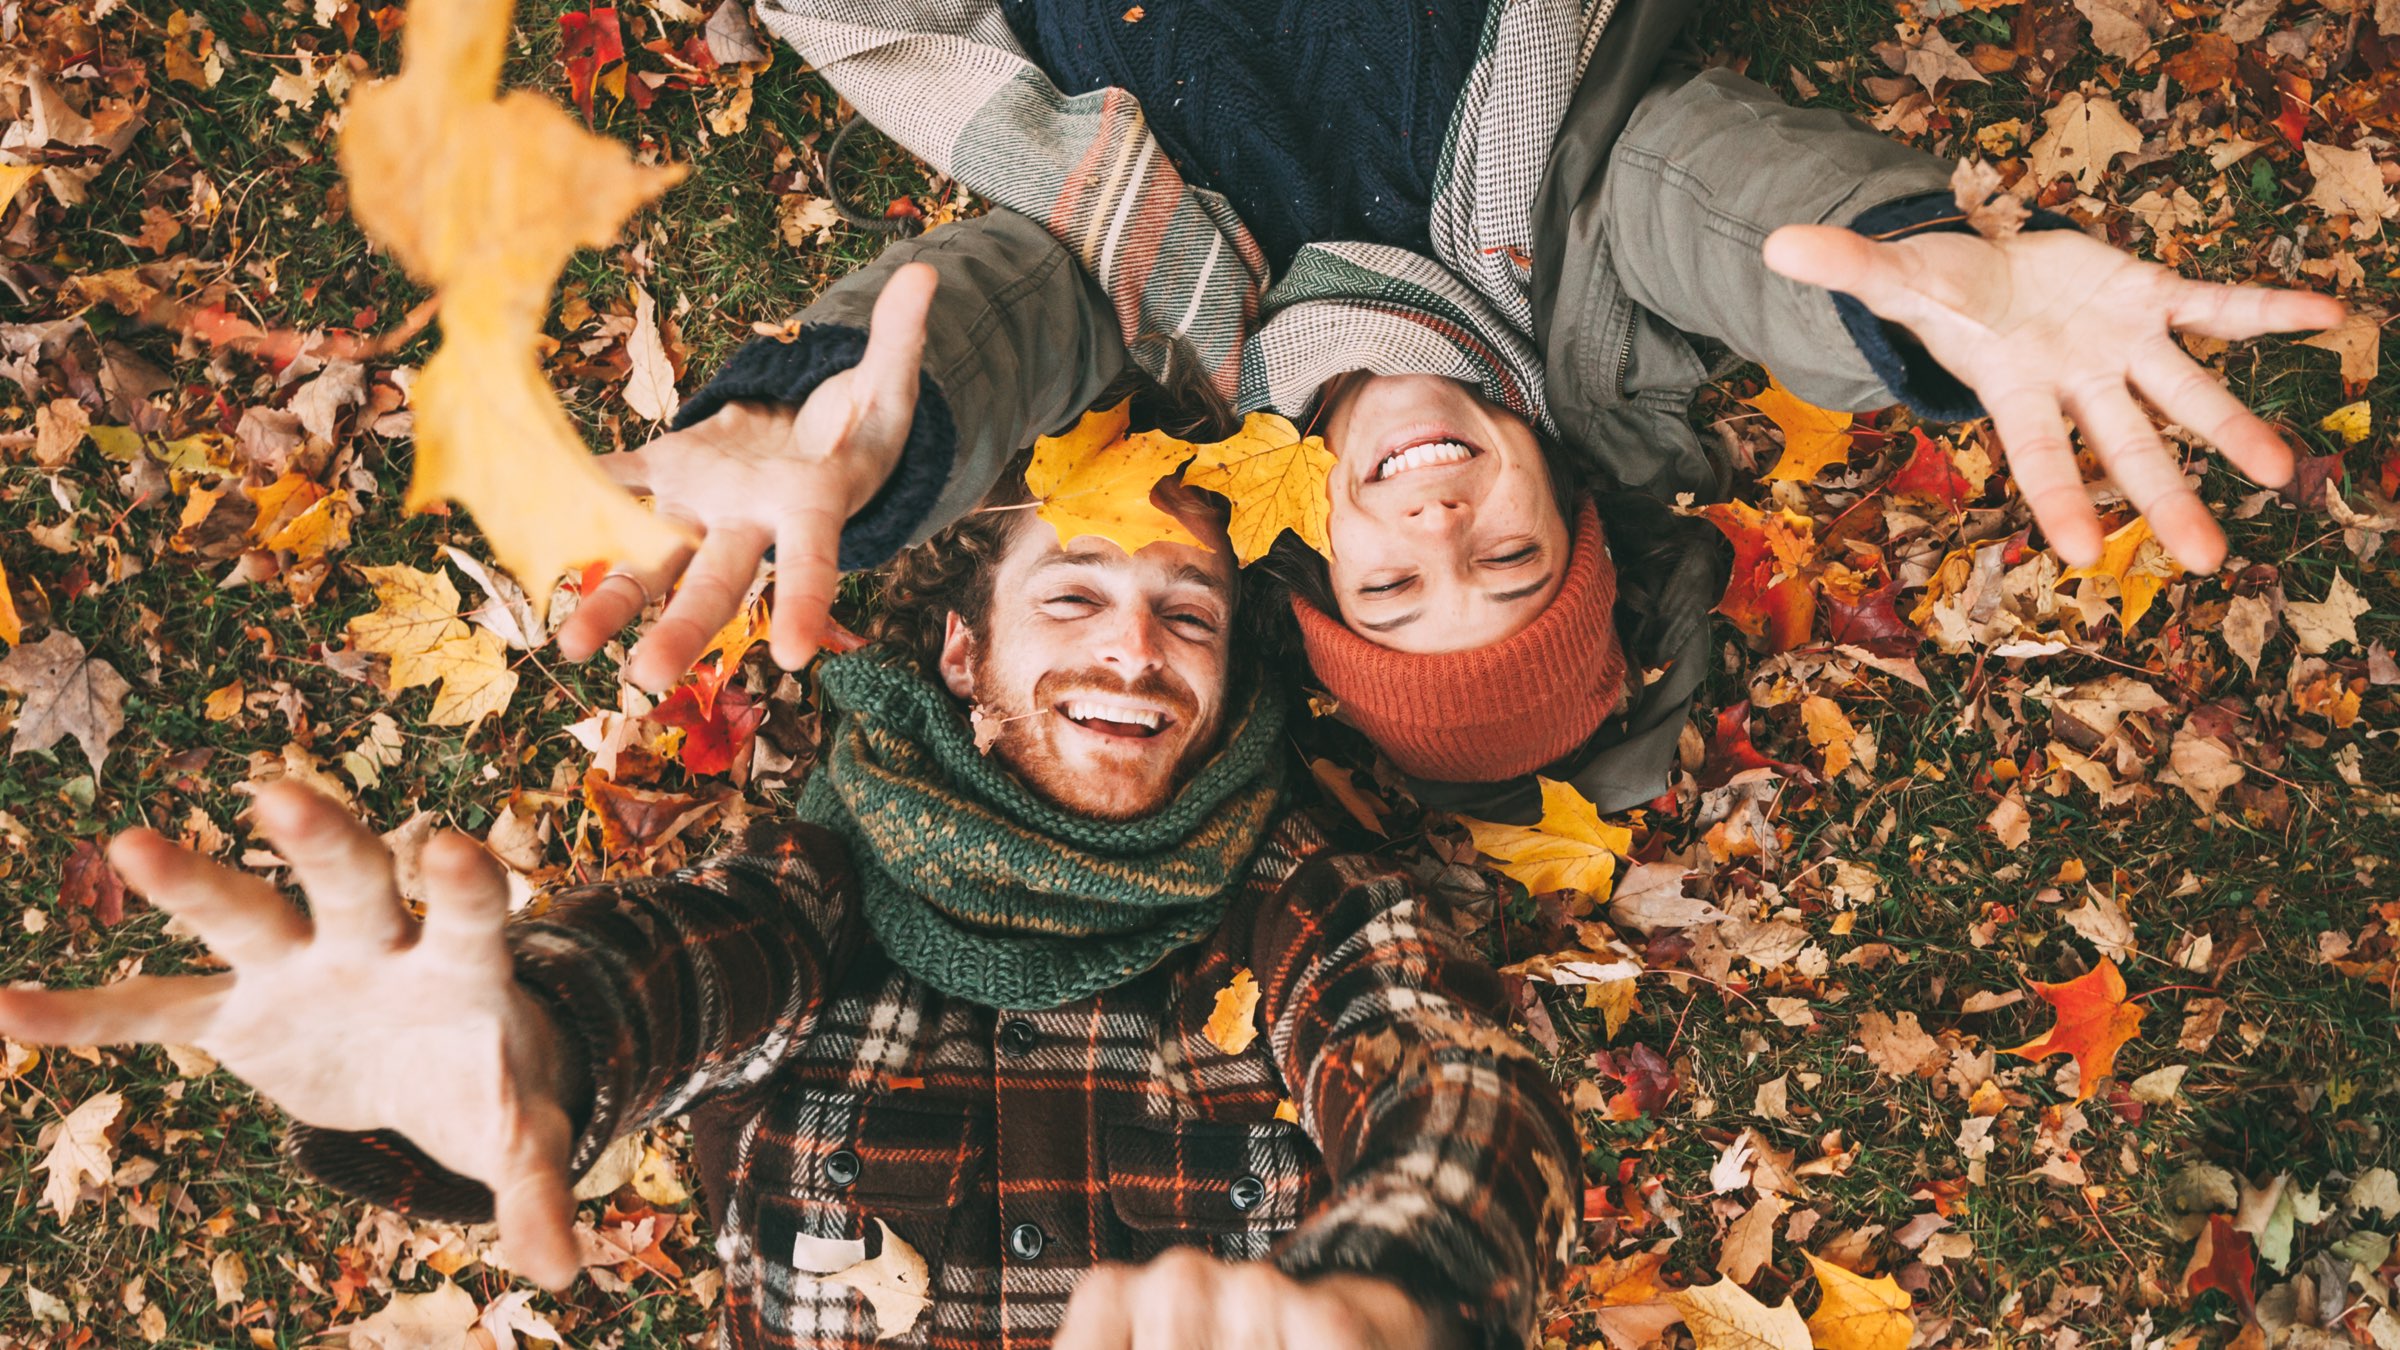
(951, 572)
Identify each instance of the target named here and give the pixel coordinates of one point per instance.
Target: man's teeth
(1423, 456)
(1101, 710)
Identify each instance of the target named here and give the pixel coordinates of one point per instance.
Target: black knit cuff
(770, 370)
(1898, 360)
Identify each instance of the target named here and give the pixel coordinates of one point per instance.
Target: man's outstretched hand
(354, 1016)
(756, 475)
(2052, 321)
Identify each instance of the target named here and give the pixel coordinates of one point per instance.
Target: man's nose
(1134, 643)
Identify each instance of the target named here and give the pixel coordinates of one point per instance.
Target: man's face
(1444, 531)
(1120, 660)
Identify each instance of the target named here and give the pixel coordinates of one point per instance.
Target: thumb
(1843, 260)
(896, 335)
(531, 1199)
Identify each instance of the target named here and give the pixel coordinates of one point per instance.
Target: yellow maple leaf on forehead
(1275, 480)
(1095, 480)
(485, 198)
(1570, 847)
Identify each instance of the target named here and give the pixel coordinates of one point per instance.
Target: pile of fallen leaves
(1899, 1020)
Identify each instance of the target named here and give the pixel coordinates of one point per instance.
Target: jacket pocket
(1231, 1188)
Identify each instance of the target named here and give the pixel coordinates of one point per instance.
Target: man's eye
(1197, 623)
(1072, 600)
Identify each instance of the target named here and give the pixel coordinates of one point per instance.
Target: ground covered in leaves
(2014, 962)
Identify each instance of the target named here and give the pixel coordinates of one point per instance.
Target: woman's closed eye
(1515, 557)
(1391, 587)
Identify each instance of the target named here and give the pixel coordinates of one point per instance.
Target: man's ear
(958, 657)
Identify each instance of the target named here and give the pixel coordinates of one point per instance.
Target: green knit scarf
(987, 892)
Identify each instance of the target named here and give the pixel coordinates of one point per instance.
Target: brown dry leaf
(1233, 1022)
(68, 692)
(441, 1318)
(2249, 622)
(1993, 211)
(223, 703)
(485, 199)
(2348, 183)
(2201, 766)
(229, 1277)
(2010, 822)
(1929, 58)
(2085, 132)
(2320, 625)
(1750, 1241)
(894, 1282)
(2124, 29)
(650, 387)
(81, 1153)
(1724, 1316)
(1275, 480)
(1096, 480)
(2358, 341)
(1898, 1046)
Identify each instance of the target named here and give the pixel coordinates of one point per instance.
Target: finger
(466, 907)
(616, 600)
(2234, 312)
(896, 335)
(1320, 1320)
(239, 916)
(1099, 1315)
(2033, 436)
(531, 1199)
(341, 864)
(173, 1010)
(2150, 476)
(712, 592)
(2185, 391)
(807, 576)
(629, 468)
(1844, 260)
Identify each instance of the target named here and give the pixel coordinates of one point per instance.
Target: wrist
(547, 1061)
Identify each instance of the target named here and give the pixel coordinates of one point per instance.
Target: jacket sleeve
(1020, 341)
(1455, 1167)
(666, 992)
(1706, 167)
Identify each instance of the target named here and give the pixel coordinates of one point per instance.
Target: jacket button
(1246, 1193)
(1016, 1036)
(841, 1168)
(1025, 1242)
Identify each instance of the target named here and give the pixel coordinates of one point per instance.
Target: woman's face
(1444, 530)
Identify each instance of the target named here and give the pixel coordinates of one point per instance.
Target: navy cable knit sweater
(1319, 119)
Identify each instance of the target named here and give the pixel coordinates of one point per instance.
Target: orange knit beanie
(1492, 713)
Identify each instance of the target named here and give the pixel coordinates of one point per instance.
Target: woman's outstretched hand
(2052, 322)
(758, 475)
(355, 1016)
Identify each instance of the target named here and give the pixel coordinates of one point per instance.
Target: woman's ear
(958, 657)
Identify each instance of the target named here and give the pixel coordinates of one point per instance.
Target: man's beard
(1123, 790)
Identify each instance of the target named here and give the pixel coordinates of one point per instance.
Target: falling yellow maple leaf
(1857, 1313)
(416, 625)
(1275, 480)
(1233, 1022)
(1724, 1316)
(485, 198)
(2131, 558)
(1096, 480)
(1813, 437)
(1570, 847)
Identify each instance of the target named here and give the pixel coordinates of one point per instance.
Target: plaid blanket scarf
(947, 79)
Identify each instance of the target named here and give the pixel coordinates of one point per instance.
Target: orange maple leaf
(1813, 437)
(2094, 1022)
(1768, 596)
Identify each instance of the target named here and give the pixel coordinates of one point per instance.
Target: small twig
(1020, 506)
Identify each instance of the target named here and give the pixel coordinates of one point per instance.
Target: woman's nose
(1439, 515)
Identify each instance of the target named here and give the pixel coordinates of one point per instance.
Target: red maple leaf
(715, 733)
(593, 42)
(1929, 473)
(2223, 1261)
(1767, 597)
(88, 882)
(1730, 751)
(2094, 1022)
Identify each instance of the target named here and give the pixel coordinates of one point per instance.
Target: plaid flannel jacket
(829, 1089)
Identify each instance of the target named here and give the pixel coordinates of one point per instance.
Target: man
(962, 1008)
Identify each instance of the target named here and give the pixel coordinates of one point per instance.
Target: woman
(1591, 219)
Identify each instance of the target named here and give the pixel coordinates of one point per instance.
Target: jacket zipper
(1625, 352)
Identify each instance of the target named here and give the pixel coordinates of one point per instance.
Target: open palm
(354, 1016)
(2051, 323)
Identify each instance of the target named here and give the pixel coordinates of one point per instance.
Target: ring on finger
(615, 573)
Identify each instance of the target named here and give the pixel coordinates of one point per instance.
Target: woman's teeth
(1122, 714)
(1422, 456)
